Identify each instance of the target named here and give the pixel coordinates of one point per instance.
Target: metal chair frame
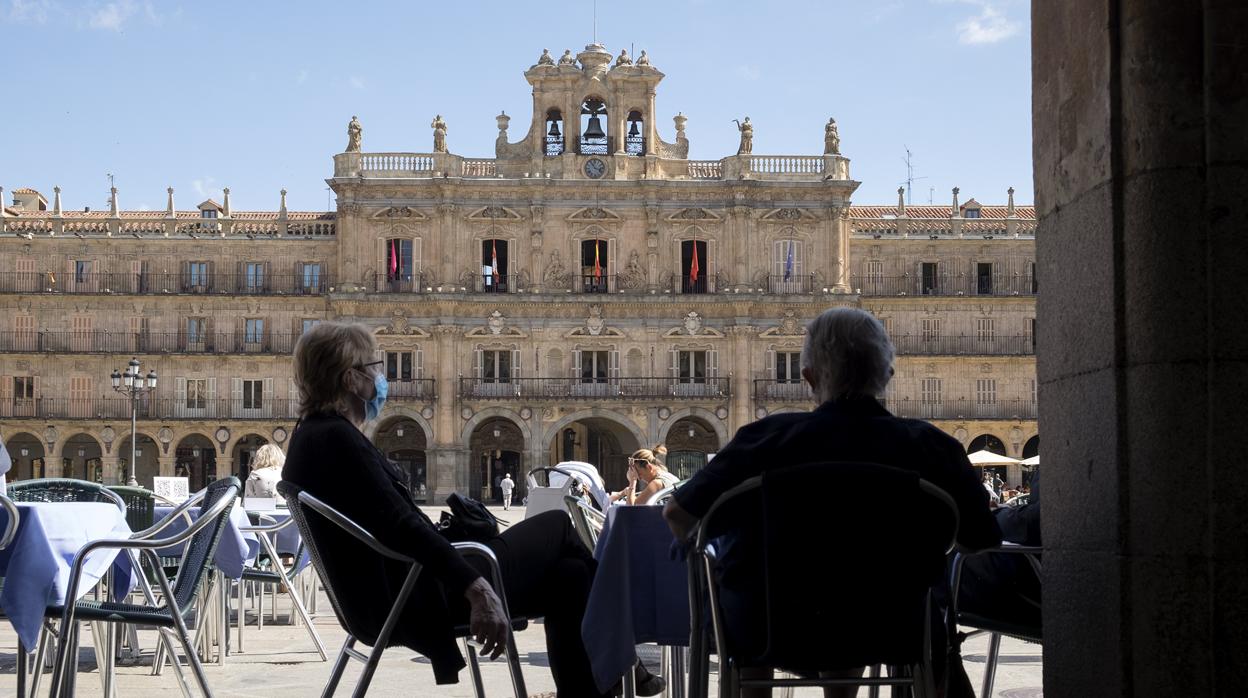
(1032, 554)
(587, 521)
(15, 518)
(703, 559)
(279, 575)
(371, 659)
(145, 543)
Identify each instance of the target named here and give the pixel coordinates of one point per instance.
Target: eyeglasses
(370, 363)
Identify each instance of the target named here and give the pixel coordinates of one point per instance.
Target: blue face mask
(372, 408)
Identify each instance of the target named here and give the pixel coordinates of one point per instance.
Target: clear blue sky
(256, 95)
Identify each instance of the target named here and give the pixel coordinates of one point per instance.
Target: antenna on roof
(910, 178)
(110, 188)
(595, 21)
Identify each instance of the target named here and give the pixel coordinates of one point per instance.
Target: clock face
(595, 168)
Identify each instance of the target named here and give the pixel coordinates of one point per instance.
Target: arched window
(494, 278)
(635, 138)
(554, 132)
(594, 137)
(595, 266)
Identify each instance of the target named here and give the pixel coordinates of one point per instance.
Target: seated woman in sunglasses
(646, 467)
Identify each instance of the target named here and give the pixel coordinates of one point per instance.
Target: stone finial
(503, 121)
(955, 201)
(680, 120)
(169, 210)
(112, 202)
(225, 207)
(1010, 205)
(901, 201)
(281, 211)
(56, 200)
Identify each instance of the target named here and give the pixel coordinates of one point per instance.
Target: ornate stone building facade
(587, 291)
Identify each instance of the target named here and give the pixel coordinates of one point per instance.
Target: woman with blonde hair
(266, 472)
(646, 466)
(342, 387)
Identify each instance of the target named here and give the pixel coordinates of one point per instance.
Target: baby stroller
(573, 487)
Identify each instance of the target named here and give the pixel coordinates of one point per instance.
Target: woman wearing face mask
(342, 387)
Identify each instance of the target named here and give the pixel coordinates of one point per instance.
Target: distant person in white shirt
(266, 472)
(507, 485)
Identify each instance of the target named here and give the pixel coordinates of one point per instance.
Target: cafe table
(640, 594)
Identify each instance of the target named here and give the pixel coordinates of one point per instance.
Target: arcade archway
(688, 442)
(27, 453)
(244, 451)
(196, 459)
(82, 458)
(403, 441)
(598, 440)
(146, 458)
(495, 448)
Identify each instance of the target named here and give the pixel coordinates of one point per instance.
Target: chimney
(281, 211)
(112, 202)
(955, 213)
(1009, 212)
(169, 211)
(56, 201)
(225, 212)
(901, 201)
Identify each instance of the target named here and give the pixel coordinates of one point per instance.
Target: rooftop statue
(439, 134)
(747, 136)
(567, 58)
(831, 139)
(354, 136)
(623, 59)
(545, 58)
(643, 59)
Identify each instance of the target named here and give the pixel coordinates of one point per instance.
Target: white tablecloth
(36, 565)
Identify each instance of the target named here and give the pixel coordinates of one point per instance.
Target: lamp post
(132, 384)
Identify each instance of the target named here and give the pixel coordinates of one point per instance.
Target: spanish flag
(597, 265)
(693, 266)
(494, 259)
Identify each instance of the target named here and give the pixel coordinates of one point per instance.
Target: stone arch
(1031, 447)
(497, 443)
(85, 455)
(989, 440)
(245, 445)
(707, 416)
(149, 452)
(31, 465)
(391, 413)
(489, 413)
(599, 413)
(405, 438)
(191, 461)
(599, 436)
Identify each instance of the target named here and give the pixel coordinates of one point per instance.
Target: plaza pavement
(280, 661)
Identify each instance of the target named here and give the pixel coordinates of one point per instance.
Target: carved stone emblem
(496, 322)
(594, 213)
(494, 212)
(789, 324)
(594, 324)
(789, 214)
(693, 322)
(692, 214)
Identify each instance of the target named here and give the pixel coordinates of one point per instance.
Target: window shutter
(710, 265)
(576, 363)
(267, 397)
(6, 396)
(673, 363)
(614, 365)
(267, 331)
(240, 332)
(237, 395)
(209, 338)
(383, 268)
(298, 281)
(418, 371)
(70, 280)
(240, 277)
(712, 364)
(416, 261)
(799, 249)
(179, 395)
(211, 267)
(212, 388)
(515, 363)
(771, 365)
(478, 363)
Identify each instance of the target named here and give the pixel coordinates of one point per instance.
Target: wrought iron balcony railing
(105, 342)
(165, 283)
(413, 389)
(159, 408)
(664, 388)
(946, 285)
(964, 345)
(963, 409)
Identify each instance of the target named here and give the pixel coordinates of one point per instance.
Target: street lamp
(132, 384)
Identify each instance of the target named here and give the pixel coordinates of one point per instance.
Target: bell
(594, 130)
(632, 129)
(554, 129)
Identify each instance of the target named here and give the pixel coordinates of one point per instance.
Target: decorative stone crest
(692, 214)
(555, 276)
(594, 324)
(634, 276)
(790, 325)
(789, 214)
(693, 323)
(496, 322)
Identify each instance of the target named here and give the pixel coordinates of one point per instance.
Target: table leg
(676, 675)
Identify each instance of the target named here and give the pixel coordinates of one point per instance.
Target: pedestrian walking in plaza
(507, 486)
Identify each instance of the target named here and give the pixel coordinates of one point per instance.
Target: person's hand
(486, 621)
(631, 474)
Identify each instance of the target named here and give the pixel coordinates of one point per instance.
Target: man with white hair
(847, 360)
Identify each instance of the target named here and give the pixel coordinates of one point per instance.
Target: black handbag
(468, 520)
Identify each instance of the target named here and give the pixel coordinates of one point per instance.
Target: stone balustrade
(48, 224)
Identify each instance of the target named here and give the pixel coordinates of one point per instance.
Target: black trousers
(547, 573)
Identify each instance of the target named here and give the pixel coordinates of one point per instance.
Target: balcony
(665, 388)
(165, 283)
(963, 409)
(161, 408)
(785, 390)
(792, 283)
(921, 345)
(951, 285)
(412, 390)
(105, 342)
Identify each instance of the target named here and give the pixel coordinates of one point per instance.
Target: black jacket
(852, 429)
(334, 462)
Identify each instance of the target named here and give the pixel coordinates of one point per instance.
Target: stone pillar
(443, 461)
(224, 467)
(1140, 168)
(443, 245)
(740, 412)
(112, 474)
(166, 464)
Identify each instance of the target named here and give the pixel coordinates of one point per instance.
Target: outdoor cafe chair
(995, 626)
(178, 598)
(586, 521)
(269, 569)
(10, 525)
(63, 490)
(305, 508)
(835, 559)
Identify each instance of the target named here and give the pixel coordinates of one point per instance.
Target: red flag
(597, 266)
(494, 260)
(394, 262)
(693, 267)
